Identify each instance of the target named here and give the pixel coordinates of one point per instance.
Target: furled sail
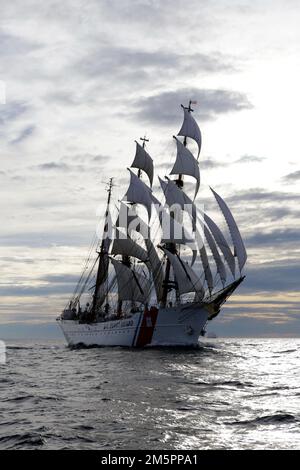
(190, 128)
(234, 231)
(216, 255)
(154, 265)
(102, 273)
(143, 161)
(186, 278)
(138, 193)
(101, 291)
(221, 242)
(186, 164)
(125, 246)
(131, 285)
(175, 196)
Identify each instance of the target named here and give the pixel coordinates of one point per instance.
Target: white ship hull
(172, 326)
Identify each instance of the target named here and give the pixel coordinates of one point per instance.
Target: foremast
(103, 261)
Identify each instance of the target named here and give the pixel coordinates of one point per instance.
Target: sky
(83, 79)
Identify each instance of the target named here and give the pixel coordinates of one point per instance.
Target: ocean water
(228, 394)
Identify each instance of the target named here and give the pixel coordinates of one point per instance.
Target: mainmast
(102, 269)
(172, 246)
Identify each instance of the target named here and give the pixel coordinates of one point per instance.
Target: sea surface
(228, 394)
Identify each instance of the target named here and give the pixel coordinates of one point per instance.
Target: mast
(102, 251)
(125, 258)
(172, 246)
(144, 140)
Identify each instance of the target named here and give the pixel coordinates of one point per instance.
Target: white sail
(190, 128)
(154, 265)
(131, 285)
(124, 245)
(204, 261)
(125, 216)
(221, 242)
(186, 164)
(234, 231)
(129, 220)
(138, 193)
(173, 231)
(216, 255)
(175, 196)
(143, 161)
(186, 278)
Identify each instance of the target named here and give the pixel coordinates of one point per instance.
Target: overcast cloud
(84, 79)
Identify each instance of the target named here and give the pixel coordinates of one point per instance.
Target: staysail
(131, 285)
(221, 242)
(216, 255)
(186, 278)
(204, 261)
(154, 265)
(234, 231)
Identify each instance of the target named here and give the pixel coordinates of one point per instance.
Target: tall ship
(157, 282)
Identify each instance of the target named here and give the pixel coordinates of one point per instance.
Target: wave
(39, 398)
(276, 418)
(234, 383)
(84, 427)
(287, 351)
(26, 439)
(19, 398)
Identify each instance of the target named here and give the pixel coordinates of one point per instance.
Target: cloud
(274, 238)
(210, 163)
(12, 111)
(30, 291)
(72, 163)
(74, 88)
(162, 108)
(12, 45)
(253, 326)
(293, 177)
(263, 195)
(24, 134)
(249, 159)
(109, 60)
(271, 277)
(57, 166)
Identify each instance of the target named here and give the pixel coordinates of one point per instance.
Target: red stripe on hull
(147, 327)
